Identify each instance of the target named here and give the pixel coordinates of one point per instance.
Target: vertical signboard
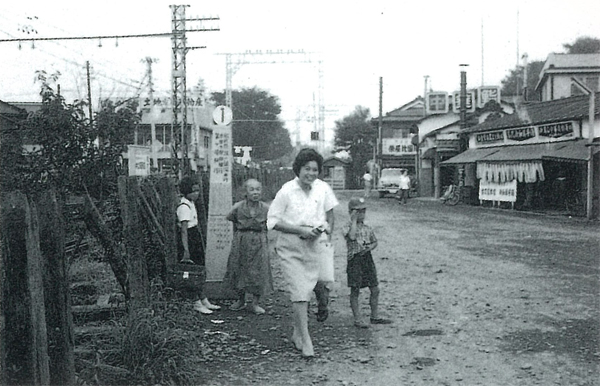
(139, 160)
(219, 230)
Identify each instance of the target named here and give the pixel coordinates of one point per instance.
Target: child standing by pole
(249, 268)
(361, 240)
(190, 245)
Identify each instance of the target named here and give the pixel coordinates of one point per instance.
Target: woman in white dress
(303, 213)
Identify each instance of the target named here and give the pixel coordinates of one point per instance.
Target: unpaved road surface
(478, 296)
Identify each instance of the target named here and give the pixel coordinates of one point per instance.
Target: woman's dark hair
(304, 157)
(186, 185)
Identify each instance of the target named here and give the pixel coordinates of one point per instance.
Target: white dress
(300, 258)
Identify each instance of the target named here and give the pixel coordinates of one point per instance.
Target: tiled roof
(542, 112)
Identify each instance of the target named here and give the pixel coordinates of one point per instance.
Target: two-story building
(439, 132)
(555, 78)
(152, 150)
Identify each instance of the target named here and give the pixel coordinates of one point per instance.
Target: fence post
(56, 290)
(167, 212)
(133, 228)
(23, 334)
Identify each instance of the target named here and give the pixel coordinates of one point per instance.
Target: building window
(206, 141)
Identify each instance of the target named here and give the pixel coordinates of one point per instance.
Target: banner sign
(490, 191)
(491, 137)
(397, 146)
(556, 130)
(553, 132)
(521, 134)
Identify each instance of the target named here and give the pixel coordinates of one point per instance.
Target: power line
(153, 35)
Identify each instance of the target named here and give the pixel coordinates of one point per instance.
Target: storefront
(537, 159)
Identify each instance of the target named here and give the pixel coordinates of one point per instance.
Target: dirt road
(478, 297)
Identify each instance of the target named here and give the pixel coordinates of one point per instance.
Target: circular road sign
(222, 115)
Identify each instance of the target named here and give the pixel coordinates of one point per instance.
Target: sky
(356, 42)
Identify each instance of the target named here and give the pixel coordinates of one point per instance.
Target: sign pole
(219, 230)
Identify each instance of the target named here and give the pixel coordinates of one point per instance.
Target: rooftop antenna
(482, 56)
(518, 57)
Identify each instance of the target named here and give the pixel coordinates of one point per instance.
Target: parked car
(389, 181)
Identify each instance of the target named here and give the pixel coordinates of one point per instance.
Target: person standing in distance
(368, 180)
(404, 187)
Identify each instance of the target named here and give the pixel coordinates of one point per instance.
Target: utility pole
(89, 91)
(590, 144)
(380, 124)
(149, 62)
(280, 57)
(178, 79)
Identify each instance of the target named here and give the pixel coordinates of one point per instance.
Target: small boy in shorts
(360, 240)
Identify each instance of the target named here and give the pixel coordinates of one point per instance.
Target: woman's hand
(307, 233)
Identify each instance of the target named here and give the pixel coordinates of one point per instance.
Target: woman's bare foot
(297, 341)
(307, 349)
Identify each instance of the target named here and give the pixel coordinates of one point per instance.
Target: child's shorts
(361, 271)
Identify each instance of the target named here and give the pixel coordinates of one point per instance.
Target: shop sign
(437, 102)
(139, 160)
(490, 191)
(520, 134)
(556, 130)
(397, 146)
(486, 94)
(470, 101)
(491, 137)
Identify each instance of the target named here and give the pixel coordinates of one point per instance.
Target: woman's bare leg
(301, 337)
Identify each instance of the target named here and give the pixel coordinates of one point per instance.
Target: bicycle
(452, 195)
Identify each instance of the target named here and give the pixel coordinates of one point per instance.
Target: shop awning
(471, 156)
(521, 162)
(570, 152)
(574, 151)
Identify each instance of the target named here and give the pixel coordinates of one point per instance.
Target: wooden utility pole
(89, 90)
(380, 125)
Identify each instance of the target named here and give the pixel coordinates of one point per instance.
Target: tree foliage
(583, 45)
(256, 123)
(66, 151)
(512, 84)
(355, 134)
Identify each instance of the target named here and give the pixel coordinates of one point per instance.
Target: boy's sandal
(380, 321)
(322, 315)
(361, 324)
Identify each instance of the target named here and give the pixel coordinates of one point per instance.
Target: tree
(256, 123)
(583, 45)
(512, 84)
(355, 134)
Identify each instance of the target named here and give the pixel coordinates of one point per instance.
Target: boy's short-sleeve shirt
(364, 237)
(186, 211)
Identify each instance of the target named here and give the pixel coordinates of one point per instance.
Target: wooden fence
(37, 339)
